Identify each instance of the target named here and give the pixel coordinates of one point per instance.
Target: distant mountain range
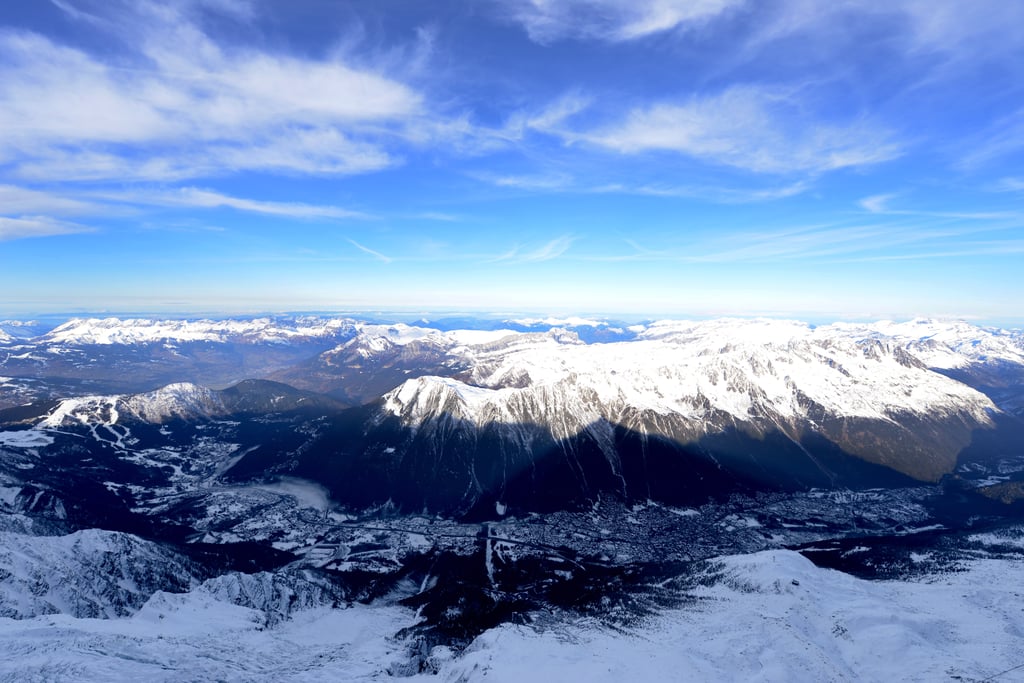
(468, 420)
(475, 473)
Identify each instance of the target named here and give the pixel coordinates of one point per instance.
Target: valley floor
(767, 616)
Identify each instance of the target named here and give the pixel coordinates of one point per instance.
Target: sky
(793, 158)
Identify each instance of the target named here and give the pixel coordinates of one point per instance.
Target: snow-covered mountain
(379, 357)
(133, 355)
(181, 401)
(107, 331)
(945, 344)
(461, 420)
(684, 382)
(592, 499)
(90, 573)
(23, 329)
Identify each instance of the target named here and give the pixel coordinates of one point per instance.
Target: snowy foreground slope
(768, 616)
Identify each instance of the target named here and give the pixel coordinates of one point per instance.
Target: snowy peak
(569, 321)
(176, 401)
(399, 333)
(423, 398)
(869, 380)
(182, 401)
(732, 366)
(375, 340)
(689, 381)
(944, 344)
(378, 339)
(16, 330)
(90, 573)
(758, 331)
(108, 331)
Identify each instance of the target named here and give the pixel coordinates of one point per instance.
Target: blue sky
(819, 160)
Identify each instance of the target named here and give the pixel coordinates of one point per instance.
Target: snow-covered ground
(26, 438)
(109, 331)
(777, 617)
(770, 616)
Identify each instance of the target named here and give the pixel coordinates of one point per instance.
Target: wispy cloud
(1002, 138)
(943, 38)
(719, 194)
(545, 252)
(641, 249)
(28, 213)
(547, 21)
(910, 239)
(184, 106)
(962, 250)
(748, 127)
(975, 32)
(722, 195)
(552, 117)
(21, 200)
(879, 204)
(371, 252)
(530, 182)
(208, 199)
(1010, 185)
(436, 216)
(36, 226)
(876, 203)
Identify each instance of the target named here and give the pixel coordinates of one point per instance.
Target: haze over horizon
(833, 161)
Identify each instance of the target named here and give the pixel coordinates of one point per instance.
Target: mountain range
(452, 420)
(286, 463)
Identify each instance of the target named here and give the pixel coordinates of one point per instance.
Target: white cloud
(371, 252)
(436, 216)
(971, 30)
(551, 118)
(545, 252)
(547, 21)
(323, 151)
(20, 200)
(877, 203)
(724, 195)
(960, 31)
(530, 182)
(182, 106)
(750, 128)
(209, 199)
(551, 250)
(78, 164)
(560, 182)
(36, 226)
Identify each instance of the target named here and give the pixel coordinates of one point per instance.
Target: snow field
(772, 616)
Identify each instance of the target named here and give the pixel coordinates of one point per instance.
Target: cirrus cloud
(747, 127)
(180, 105)
(546, 21)
(21, 227)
